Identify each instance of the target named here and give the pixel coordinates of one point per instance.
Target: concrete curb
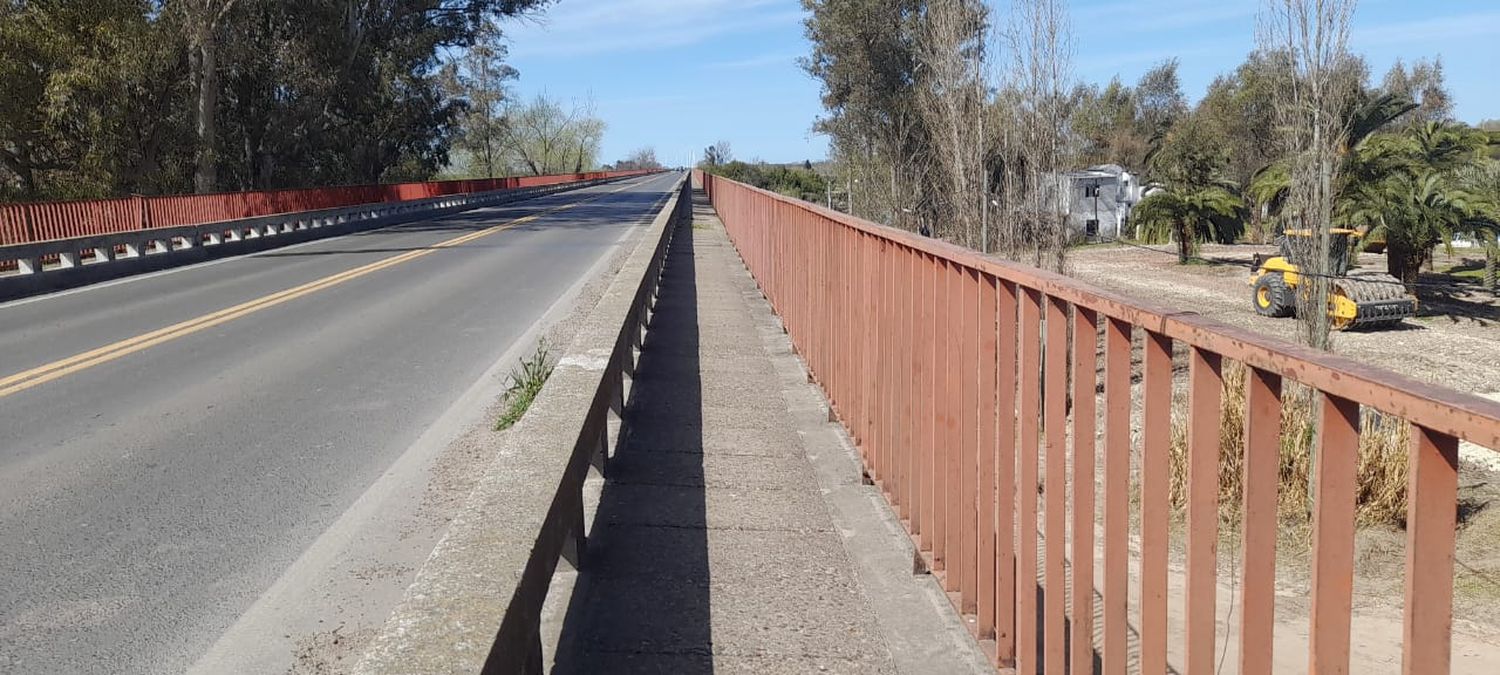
(476, 603)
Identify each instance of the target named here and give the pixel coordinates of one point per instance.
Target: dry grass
(1381, 500)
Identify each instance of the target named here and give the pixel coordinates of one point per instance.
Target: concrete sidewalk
(733, 532)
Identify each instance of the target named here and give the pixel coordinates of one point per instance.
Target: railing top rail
(1463, 415)
(283, 190)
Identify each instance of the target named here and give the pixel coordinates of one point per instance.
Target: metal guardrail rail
(951, 372)
(42, 266)
(40, 221)
(476, 604)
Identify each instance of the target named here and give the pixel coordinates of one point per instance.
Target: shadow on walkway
(644, 604)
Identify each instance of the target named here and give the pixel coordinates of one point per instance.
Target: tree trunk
(1491, 262)
(1182, 243)
(205, 177)
(1405, 263)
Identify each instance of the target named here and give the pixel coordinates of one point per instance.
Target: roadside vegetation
(108, 98)
(799, 181)
(526, 381)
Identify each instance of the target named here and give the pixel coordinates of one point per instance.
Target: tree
(1159, 99)
(1035, 149)
(1311, 37)
(1272, 185)
(112, 97)
(1424, 84)
(951, 104)
(1410, 192)
(644, 158)
(1186, 215)
(542, 137)
(865, 54)
(1412, 212)
(1108, 125)
(717, 154)
(480, 80)
(204, 21)
(1196, 203)
(1481, 182)
(1239, 111)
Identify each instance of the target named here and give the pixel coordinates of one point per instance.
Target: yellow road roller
(1357, 299)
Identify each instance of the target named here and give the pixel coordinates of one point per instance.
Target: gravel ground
(1454, 341)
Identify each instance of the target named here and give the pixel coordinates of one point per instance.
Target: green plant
(526, 382)
(1186, 215)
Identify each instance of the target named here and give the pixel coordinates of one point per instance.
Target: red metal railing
(951, 372)
(42, 221)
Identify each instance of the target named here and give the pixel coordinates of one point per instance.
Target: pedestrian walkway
(733, 533)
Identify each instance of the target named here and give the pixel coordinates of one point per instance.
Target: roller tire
(1279, 302)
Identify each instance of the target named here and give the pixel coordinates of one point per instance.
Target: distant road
(170, 444)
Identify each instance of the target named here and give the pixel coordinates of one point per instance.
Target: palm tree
(1482, 183)
(1196, 202)
(1185, 214)
(1413, 212)
(1272, 183)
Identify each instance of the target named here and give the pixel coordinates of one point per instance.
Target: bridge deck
(733, 533)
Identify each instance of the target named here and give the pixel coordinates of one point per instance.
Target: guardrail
(951, 372)
(42, 221)
(476, 604)
(37, 267)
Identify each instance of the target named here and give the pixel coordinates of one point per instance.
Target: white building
(1098, 200)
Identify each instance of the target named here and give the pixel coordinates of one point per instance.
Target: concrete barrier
(476, 604)
(80, 261)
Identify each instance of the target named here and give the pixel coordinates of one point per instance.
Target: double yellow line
(43, 374)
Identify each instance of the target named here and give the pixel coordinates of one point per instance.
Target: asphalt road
(151, 491)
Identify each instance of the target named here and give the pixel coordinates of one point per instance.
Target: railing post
(1333, 535)
(1432, 489)
(1205, 402)
(1262, 458)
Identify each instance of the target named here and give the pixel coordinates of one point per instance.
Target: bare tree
(1312, 37)
(951, 55)
(718, 154)
(1035, 147)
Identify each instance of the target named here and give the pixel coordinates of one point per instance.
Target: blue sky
(678, 75)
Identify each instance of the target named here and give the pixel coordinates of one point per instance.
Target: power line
(1207, 261)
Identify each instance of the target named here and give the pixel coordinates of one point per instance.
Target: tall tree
(718, 154)
(951, 103)
(865, 55)
(479, 79)
(204, 21)
(1423, 83)
(1036, 98)
(1160, 100)
(1312, 37)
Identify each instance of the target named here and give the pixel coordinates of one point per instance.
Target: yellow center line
(61, 368)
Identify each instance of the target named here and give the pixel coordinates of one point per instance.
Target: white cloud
(602, 27)
(762, 61)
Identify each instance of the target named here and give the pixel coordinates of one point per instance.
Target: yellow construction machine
(1356, 300)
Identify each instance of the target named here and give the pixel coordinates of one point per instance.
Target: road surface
(171, 444)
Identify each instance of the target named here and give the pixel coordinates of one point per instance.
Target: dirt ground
(1454, 340)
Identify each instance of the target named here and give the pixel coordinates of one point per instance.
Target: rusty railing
(950, 370)
(44, 221)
